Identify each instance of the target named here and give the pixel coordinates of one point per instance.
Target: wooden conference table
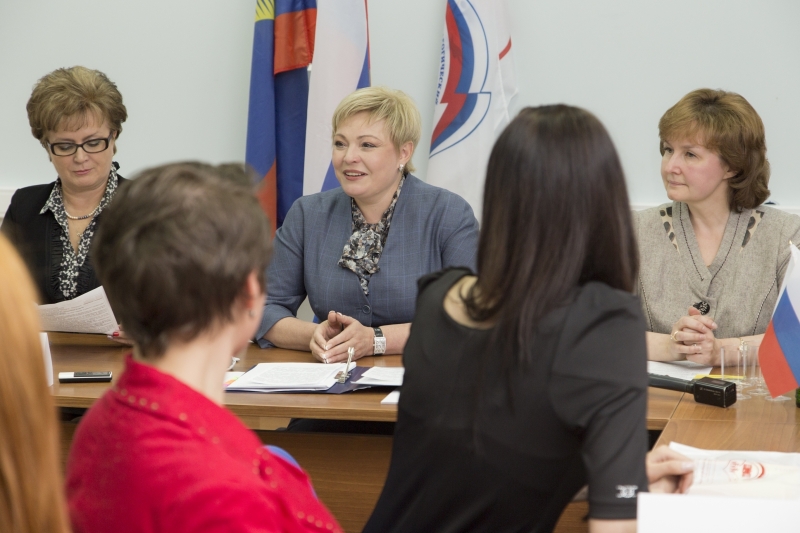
(348, 470)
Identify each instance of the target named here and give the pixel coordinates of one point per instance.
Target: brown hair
(31, 486)
(381, 103)
(71, 95)
(727, 124)
(175, 248)
(555, 216)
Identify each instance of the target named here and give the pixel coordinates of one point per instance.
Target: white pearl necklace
(84, 217)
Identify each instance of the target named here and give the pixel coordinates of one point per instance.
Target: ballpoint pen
(342, 376)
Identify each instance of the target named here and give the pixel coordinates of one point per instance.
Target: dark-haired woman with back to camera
(714, 258)
(76, 114)
(528, 381)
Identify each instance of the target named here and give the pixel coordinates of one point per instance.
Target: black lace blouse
(37, 225)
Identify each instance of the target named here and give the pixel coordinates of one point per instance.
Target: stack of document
(288, 377)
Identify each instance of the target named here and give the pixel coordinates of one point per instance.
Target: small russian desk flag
(779, 354)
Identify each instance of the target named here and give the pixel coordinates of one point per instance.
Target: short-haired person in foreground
(529, 380)
(357, 250)
(182, 254)
(712, 260)
(31, 486)
(76, 114)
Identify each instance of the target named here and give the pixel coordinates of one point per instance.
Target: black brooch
(703, 307)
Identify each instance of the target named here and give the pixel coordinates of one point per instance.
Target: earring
(251, 313)
(401, 168)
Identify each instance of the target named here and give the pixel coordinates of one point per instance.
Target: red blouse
(154, 455)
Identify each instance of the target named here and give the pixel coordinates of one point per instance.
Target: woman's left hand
(353, 334)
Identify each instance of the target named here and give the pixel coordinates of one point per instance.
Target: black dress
(465, 459)
(38, 238)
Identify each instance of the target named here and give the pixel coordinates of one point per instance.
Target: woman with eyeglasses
(77, 115)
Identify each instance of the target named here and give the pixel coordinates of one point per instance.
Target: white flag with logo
(473, 96)
(340, 66)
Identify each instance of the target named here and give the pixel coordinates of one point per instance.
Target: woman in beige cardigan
(713, 259)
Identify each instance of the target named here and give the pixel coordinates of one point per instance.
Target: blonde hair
(31, 486)
(381, 103)
(72, 95)
(726, 124)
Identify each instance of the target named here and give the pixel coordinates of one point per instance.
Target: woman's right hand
(668, 471)
(692, 337)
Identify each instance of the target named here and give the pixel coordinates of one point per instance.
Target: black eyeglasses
(92, 146)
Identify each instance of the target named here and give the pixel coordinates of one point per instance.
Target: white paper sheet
(732, 491)
(743, 473)
(392, 398)
(88, 313)
(677, 369)
(382, 376)
(48, 359)
(671, 513)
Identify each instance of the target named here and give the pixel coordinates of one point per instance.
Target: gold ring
(673, 336)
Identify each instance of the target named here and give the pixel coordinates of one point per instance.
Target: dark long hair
(555, 216)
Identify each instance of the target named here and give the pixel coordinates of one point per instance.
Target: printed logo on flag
(473, 97)
(461, 103)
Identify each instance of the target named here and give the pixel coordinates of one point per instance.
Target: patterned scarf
(363, 249)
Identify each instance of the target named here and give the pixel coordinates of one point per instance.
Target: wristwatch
(378, 342)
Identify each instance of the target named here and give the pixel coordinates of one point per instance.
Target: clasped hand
(333, 337)
(693, 338)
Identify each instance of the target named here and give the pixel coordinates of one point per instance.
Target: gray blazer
(431, 229)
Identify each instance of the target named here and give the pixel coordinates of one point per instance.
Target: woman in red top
(182, 255)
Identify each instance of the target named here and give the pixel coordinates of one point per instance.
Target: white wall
(183, 67)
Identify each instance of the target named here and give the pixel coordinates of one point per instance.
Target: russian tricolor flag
(779, 354)
(289, 118)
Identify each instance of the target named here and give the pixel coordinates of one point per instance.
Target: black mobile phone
(84, 377)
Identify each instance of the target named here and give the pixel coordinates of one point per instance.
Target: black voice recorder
(709, 391)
